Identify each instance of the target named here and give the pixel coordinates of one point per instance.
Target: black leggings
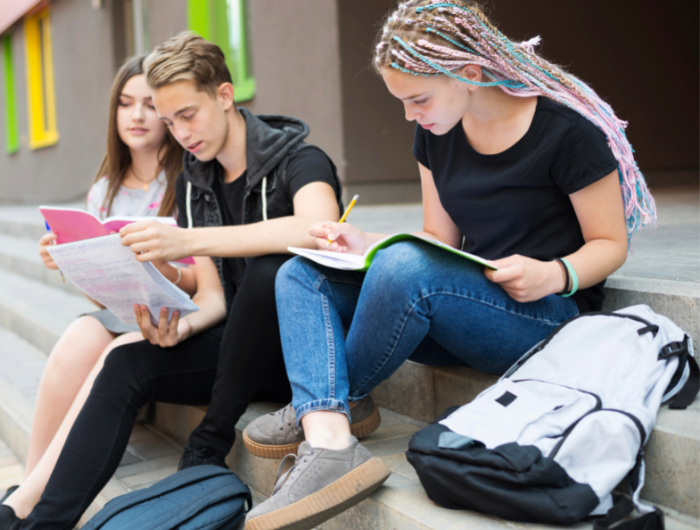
(250, 367)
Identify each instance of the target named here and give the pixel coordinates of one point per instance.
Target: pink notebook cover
(72, 225)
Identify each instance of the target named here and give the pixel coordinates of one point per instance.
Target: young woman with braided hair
(520, 163)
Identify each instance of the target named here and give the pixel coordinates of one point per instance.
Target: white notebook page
(110, 274)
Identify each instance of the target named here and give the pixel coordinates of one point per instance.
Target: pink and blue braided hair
(432, 37)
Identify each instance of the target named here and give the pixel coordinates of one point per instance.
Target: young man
(250, 187)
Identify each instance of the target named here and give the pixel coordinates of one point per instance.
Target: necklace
(145, 182)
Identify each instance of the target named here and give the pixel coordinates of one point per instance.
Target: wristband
(574, 278)
(179, 276)
(567, 278)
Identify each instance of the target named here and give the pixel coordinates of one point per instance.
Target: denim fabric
(344, 332)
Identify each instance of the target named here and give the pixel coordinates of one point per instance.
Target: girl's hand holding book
(527, 279)
(167, 334)
(44, 243)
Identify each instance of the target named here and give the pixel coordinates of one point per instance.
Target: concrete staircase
(664, 272)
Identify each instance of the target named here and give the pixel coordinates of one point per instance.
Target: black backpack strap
(687, 394)
(621, 508)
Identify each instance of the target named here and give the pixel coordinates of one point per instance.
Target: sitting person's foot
(9, 492)
(8, 519)
(321, 484)
(275, 435)
(199, 457)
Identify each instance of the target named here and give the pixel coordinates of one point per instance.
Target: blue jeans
(344, 332)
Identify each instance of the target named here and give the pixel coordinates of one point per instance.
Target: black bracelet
(566, 273)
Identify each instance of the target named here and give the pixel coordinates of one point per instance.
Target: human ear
(471, 72)
(225, 95)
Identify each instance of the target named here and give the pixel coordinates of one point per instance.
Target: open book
(71, 224)
(109, 273)
(356, 262)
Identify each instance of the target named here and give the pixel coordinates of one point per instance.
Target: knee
(401, 263)
(120, 373)
(293, 273)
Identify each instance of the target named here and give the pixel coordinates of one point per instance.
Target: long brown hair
(118, 157)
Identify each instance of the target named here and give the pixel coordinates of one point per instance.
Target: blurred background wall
(310, 59)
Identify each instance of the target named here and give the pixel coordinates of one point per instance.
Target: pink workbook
(71, 224)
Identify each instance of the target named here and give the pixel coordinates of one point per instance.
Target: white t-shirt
(129, 202)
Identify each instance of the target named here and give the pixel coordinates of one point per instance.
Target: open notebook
(110, 274)
(356, 262)
(71, 224)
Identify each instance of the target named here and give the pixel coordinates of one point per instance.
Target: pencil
(347, 211)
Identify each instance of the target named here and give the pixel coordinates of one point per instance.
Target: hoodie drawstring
(188, 201)
(264, 198)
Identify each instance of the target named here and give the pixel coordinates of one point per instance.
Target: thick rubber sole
(335, 498)
(359, 430)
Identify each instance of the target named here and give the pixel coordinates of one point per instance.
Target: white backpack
(565, 425)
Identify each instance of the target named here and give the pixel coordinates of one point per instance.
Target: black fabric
(516, 202)
(307, 166)
(230, 196)
(622, 507)
(251, 365)
(511, 481)
(687, 394)
(133, 375)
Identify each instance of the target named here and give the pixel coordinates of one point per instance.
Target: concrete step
(401, 504)
(672, 454)
(20, 255)
(38, 312)
(154, 451)
(149, 457)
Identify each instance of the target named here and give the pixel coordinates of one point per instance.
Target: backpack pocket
(526, 412)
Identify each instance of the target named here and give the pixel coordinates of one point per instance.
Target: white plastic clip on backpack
(565, 425)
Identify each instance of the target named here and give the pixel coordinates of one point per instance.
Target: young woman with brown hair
(136, 178)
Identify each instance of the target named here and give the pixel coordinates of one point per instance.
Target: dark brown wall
(641, 56)
(377, 138)
(295, 63)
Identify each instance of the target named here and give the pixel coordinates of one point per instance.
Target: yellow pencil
(347, 211)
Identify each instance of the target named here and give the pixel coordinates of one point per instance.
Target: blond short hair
(187, 56)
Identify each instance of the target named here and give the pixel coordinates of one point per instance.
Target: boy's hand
(167, 334)
(527, 279)
(44, 243)
(344, 237)
(151, 240)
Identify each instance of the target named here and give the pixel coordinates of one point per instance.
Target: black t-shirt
(229, 196)
(304, 167)
(516, 202)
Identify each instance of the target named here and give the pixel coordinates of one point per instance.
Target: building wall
(83, 70)
(296, 64)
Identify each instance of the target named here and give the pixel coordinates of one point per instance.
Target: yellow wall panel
(40, 81)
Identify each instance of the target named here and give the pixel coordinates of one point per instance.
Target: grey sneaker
(321, 484)
(275, 435)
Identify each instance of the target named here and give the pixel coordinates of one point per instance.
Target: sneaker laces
(289, 416)
(279, 482)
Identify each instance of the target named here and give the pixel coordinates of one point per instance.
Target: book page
(110, 274)
(335, 260)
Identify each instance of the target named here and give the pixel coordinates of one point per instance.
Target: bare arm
(186, 282)
(312, 203)
(209, 298)
(437, 224)
(600, 213)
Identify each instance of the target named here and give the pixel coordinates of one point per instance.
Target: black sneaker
(198, 457)
(9, 492)
(8, 519)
